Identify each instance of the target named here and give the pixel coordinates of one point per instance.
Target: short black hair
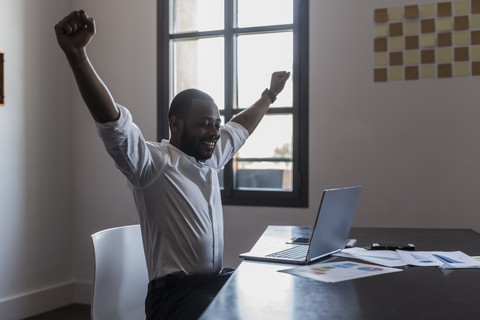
(182, 102)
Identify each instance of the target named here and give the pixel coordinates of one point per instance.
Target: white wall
(35, 162)
(414, 145)
(124, 54)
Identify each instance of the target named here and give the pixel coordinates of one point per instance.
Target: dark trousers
(181, 296)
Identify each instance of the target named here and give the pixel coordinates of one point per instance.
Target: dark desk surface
(258, 291)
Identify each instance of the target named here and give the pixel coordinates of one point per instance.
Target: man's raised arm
(73, 33)
(251, 117)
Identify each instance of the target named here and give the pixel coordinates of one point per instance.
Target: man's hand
(277, 83)
(251, 117)
(73, 33)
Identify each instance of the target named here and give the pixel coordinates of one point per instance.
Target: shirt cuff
(114, 132)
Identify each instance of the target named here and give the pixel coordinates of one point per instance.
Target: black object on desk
(391, 246)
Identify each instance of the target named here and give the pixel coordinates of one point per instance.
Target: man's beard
(190, 147)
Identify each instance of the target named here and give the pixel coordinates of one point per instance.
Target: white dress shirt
(177, 198)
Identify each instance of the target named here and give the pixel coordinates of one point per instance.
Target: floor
(70, 312)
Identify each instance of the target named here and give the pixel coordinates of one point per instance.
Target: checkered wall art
(436, 40)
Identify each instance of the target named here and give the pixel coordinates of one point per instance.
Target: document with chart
(442, 259)
(339, 271)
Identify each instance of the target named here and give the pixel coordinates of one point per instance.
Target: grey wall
(35, 162)
(124, 54)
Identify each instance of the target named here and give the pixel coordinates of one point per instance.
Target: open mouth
(210, 143)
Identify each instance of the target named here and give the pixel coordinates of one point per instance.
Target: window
(229, 49)
(2, 78)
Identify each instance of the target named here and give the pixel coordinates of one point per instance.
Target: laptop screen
(333, 222)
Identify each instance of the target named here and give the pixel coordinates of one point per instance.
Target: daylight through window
(229, 49)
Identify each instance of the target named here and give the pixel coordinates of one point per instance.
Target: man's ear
(176, 125)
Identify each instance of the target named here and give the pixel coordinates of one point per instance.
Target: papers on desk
(398, 258)
(338, 271)
(347, 270)
(387, 258)
(442, 259)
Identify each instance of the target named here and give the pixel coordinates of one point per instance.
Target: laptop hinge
(324, 255)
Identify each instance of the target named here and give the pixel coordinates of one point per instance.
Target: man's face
(201, 129)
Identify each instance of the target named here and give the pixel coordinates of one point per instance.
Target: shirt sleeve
(232, 137)
(125, 143)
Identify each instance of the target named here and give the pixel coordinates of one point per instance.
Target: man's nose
(213, 130)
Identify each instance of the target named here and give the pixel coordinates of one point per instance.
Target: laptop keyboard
(297, 252)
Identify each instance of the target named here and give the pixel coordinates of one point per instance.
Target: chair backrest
(121, 278)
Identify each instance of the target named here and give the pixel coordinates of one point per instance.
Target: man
(174, 183)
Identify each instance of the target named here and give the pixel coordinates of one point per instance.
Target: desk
(257, 291)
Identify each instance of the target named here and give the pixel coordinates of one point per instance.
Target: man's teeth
(210, 143)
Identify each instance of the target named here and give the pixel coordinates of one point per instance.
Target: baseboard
(82, 292)
(45, 299)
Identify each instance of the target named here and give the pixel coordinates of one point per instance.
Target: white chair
(121, 279)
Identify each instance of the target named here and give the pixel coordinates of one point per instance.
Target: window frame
(298, 196)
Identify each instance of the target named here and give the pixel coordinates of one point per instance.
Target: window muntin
(235, 82)
(268, 154)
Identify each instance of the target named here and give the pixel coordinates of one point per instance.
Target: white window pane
(271, 139)
(197, 15)
(258, 57)
(253, 13)
(199, 64)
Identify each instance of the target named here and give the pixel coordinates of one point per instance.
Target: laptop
(329, 234)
